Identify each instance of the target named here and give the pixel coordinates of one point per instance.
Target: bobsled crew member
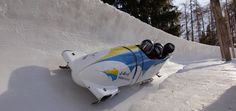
(155, 50)
(103, 72)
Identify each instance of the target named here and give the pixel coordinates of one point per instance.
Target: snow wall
(87, 25)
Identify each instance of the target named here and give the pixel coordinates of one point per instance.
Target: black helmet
(147, 46)
(158, 48)
(168, 48)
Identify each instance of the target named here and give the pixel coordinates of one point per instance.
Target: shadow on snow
(35, 88)
(226, 102)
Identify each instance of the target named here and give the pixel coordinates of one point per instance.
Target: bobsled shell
(149, 69)
(104, 73)
(82, 62)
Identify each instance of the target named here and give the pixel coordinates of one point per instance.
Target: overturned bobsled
(103, 72)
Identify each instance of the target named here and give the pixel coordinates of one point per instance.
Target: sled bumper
(69, 55)
(102, 92)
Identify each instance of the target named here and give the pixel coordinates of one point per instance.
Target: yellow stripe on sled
(118, 51)
(113, 71)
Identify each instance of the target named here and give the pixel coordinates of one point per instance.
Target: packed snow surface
(33, 33)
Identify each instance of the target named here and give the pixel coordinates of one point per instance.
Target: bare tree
(212, 23)
(198, 19)
(229, 33)
(221, 30)
(186, 20)
(234, 4)
(203, 23)
(191, 17)
(230, 28)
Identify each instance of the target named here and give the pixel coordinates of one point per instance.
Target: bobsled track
(33, 33)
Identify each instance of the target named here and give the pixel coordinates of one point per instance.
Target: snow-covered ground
(34, 32)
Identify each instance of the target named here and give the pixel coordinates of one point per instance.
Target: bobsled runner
(103, 72)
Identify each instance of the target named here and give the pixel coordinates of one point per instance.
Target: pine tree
(158, 13)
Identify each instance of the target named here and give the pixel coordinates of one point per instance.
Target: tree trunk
(191, 16)
(210, 21)
(186, 21)
(234, 5)
(197, 15)
(213, 32)
(203, 24)
(229, 32)
(221, 29)
(234, 2)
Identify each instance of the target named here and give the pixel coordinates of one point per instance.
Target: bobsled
(103, 72)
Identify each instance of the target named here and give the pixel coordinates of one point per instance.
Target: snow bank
(94, 23)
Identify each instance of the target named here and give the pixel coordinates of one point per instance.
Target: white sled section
(69, 56)
(101, 92)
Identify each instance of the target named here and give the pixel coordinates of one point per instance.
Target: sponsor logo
(113, 73)
(124, 75)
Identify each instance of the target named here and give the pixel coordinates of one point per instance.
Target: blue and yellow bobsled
(104, 71)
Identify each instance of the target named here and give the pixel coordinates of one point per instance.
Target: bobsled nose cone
(69, 56)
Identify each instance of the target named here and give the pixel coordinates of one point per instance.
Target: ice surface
(34, 32)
